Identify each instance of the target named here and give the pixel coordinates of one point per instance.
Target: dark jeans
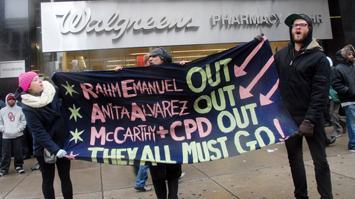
(350, 124)
(48, 173)
(8, 146)
(169, 172)
(316, 144)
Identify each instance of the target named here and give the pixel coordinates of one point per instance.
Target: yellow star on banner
(75, 112)
(76, 136)
(70, 89)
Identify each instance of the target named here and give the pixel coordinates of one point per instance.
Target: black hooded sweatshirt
(343, 76)
(304, 79)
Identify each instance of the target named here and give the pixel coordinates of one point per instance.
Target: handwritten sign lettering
(212, 108)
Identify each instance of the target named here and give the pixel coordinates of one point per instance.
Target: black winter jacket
(343, 76)
(47, 126)
(304, 81)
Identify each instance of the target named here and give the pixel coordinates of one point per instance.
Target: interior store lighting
(127, 60)
(191, 56)
(114, 65)
(139, 53)
(186, 51)
(203, 50)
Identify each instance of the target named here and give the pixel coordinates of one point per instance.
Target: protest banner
(212, 108)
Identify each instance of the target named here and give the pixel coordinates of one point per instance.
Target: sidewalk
(261, 174)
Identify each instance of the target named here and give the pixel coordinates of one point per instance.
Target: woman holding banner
(41, 106)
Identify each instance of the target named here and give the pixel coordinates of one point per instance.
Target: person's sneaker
(182, 175)
(36, 167)
(330, 141)
(20, 170)
(2, 173)
(336, 134)
(145, 188)
(352, 150)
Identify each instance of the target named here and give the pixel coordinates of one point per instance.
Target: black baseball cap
(291, 18)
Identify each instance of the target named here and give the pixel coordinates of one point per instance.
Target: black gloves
(305, 129)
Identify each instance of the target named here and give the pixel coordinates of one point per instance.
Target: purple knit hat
(25, 79)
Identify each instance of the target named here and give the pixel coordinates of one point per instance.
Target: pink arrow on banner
(239, 71)
(71, 156)
(245, 92)
(265, 99)
(279, 129)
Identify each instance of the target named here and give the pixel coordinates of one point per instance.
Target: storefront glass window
(77, 61)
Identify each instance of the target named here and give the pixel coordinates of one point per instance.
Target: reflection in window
(108, 59)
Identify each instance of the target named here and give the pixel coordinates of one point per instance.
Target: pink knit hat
(25, 79)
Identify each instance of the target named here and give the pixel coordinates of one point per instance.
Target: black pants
(8, 146)
(316, 144)
(166, 172)
(48, 173)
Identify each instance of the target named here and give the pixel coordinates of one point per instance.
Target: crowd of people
(308, 83)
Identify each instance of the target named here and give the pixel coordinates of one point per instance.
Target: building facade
(70, 36)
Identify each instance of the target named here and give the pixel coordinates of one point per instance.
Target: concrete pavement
(260, 174)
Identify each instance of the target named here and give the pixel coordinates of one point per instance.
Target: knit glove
(61, 153)
(305, 129)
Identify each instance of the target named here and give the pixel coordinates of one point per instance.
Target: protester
(327, 117)
(12, 124)
(343, 82)
(304, 74)
(338, 122)
(163, 172)
(27, 146)
(42, 110)
(142, 175)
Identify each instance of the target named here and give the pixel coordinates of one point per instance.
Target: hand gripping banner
(215, 107)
